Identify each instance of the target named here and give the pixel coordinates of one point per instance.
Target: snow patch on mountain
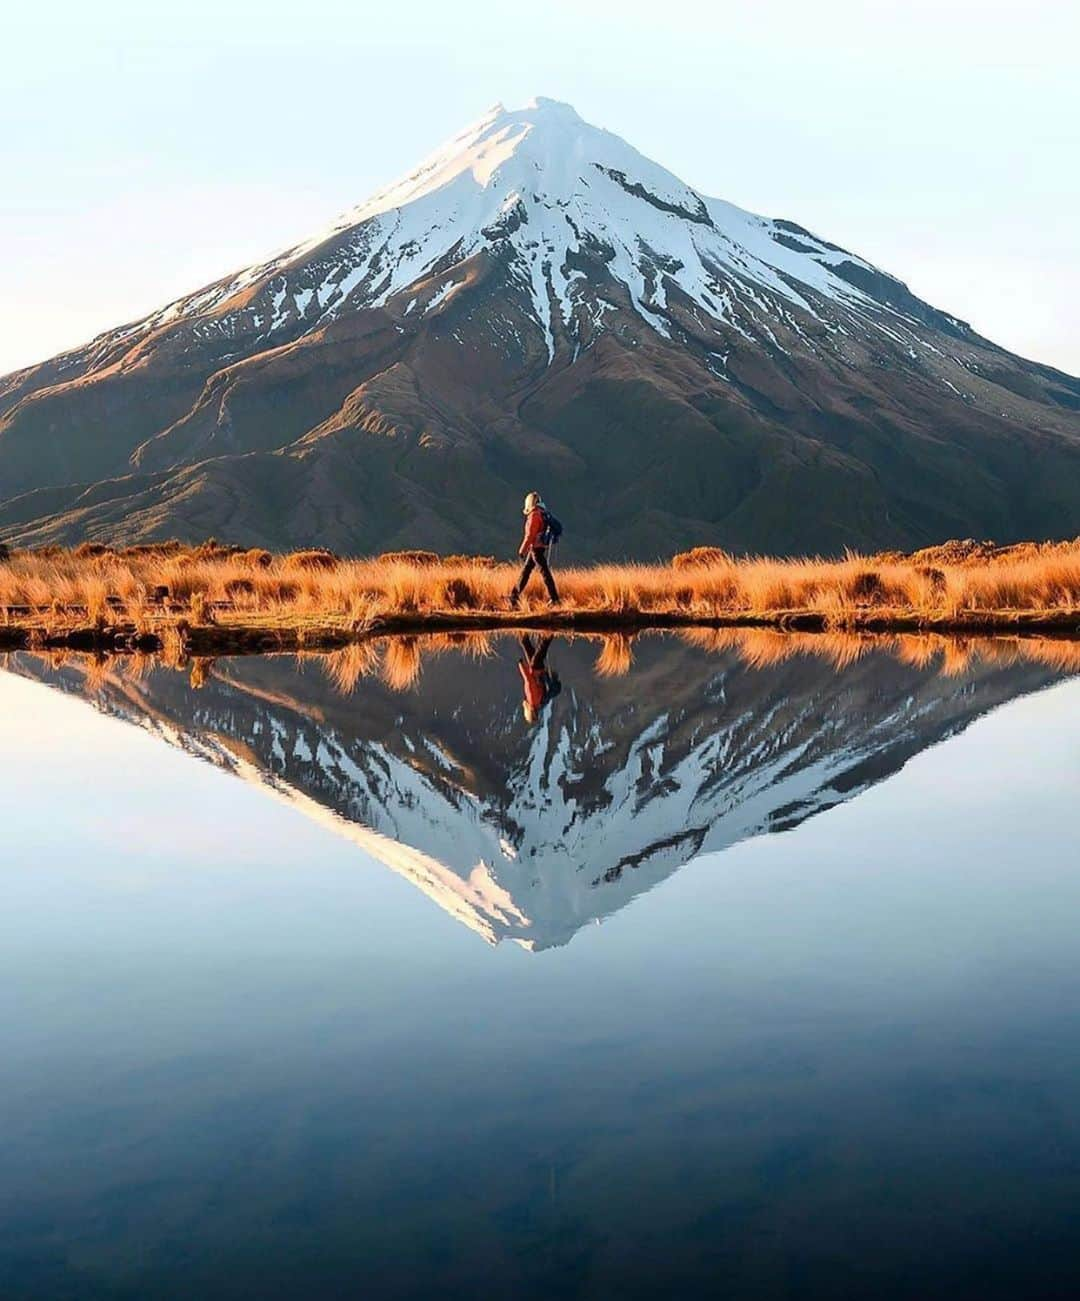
(545, 190)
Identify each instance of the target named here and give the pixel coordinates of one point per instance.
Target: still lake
(490, 969)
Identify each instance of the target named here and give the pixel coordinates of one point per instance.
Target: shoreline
(232, 635)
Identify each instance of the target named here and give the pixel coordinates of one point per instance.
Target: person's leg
(542, 565)
(539, 659)
(523, 577)
(527, 647)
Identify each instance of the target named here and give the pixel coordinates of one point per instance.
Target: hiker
(539, 683)
(542, 529)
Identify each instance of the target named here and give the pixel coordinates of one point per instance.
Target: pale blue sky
(146, 148)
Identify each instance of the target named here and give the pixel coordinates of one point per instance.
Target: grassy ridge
(151, 590)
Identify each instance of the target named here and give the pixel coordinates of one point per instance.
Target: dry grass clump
(421, 558)
(700, 556)
(459, 594)
(91, 550)
(476, 562)
(172, 548)
(155, 584)
(315, 558)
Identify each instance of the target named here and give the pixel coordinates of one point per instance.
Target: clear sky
(148, 148)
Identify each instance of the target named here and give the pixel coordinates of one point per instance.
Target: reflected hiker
(539, 683)
(542, 530)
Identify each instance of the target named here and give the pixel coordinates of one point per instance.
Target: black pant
(535, 654)
(536, 559)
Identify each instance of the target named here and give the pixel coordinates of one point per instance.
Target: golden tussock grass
(155, 586)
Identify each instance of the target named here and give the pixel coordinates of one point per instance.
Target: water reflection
(529, 801)
(540, 684)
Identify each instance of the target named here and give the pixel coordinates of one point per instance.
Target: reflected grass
(398, 662)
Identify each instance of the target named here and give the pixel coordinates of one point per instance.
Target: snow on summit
(551, 194)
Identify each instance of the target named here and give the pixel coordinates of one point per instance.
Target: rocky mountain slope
(540, 305)
(529, 833)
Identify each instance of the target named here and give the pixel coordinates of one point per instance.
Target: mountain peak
(582, 223)
(545, 187)
(537, 107)
(539, 301)
(554, 107)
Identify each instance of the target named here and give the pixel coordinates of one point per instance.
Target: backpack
(552, 528)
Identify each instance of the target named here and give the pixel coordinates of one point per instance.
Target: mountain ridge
(537, 302)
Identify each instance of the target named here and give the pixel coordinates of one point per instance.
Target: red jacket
(534, 531)
(535, 684)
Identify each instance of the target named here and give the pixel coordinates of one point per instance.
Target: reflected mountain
(529, 788)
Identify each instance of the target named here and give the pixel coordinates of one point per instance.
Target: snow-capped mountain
(527, 833)
(544, 190)
(538, 302)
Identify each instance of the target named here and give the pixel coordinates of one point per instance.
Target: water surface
(347, 979)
